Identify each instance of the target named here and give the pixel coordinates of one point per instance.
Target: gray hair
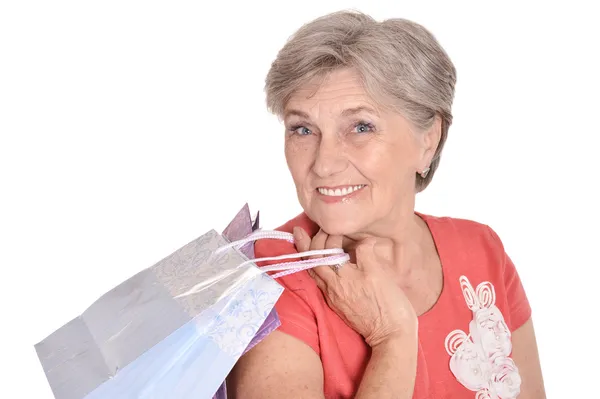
(397, 59)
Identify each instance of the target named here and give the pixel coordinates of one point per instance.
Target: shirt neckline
(435, 234)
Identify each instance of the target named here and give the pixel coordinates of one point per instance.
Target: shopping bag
(240, 227)
(174, 330)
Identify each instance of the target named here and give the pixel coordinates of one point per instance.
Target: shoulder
(469, 247)
(456, 225)
(461, 232)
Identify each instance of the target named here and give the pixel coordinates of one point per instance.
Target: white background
(130, 128)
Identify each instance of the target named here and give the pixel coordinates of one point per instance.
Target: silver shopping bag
(174, 330)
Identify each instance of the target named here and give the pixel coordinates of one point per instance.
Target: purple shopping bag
(240, 227)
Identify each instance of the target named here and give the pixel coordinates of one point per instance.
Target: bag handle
(332, 257)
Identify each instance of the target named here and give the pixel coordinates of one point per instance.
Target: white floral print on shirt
(480, 360)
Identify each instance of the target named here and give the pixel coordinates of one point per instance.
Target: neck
(405, 234)
(401, 230)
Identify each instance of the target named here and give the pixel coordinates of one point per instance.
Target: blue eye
(363, 127)
(301, 130)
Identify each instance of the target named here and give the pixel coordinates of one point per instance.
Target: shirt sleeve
(293, 307)
(518, 307)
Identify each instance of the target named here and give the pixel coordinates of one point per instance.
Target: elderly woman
(428, 307)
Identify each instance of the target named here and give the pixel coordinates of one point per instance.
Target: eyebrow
(295, 112)
(345, 113)
(358, 110)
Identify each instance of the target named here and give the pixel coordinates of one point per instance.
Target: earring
(425, 172)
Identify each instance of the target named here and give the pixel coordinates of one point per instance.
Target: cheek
(386, 163)
(298, 158)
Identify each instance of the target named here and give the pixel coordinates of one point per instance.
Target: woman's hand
(364, 294)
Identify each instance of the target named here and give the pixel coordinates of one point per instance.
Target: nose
(330, 158)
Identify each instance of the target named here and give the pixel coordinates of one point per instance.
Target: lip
(332, 200)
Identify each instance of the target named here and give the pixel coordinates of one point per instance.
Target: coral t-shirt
(465, 248)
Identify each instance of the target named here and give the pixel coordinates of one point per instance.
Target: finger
(338, 242)
(319, 241)
(301, 239)
(334, 242)
(349, 246)
(325, 273)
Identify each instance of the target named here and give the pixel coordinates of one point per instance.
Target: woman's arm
(392, 369)
(525, 356)
(282, 366)
(367, 298)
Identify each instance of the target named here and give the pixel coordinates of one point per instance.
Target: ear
(430, 142)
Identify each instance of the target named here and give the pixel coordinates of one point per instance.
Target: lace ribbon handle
(332, 257)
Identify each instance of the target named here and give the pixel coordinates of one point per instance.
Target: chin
(337, 219)
(342, 226)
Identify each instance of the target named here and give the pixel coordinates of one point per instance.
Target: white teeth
(340, 192)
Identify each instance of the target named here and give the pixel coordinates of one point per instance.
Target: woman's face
(353, 162)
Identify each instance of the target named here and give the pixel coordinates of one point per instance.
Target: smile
(339, 191)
